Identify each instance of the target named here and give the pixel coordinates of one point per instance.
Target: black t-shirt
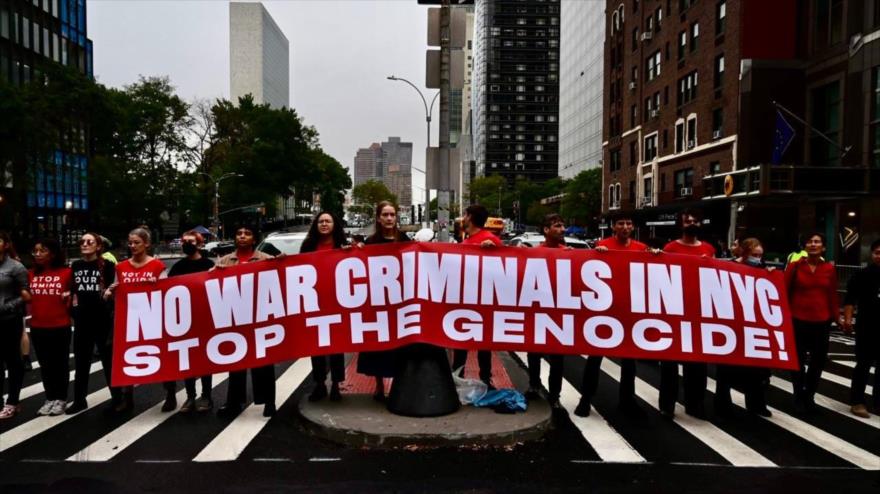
(189, 266)
(89, 280)
(863, 291)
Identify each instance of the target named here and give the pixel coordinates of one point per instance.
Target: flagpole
(810, 127)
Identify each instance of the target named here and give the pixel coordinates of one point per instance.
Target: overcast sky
(341, 52)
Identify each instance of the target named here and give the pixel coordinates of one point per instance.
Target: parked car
(286, 243)
(219, 248)
(536, 239)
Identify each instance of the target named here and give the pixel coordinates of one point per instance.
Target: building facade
(515, 88)
(390, 163)
(692, 95)
(53, 198)
(259, 56)
(581, 50)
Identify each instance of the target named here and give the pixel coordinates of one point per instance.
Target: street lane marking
(37, 388)
(824, 401)
(607, 442)
(827, 441)
(39, 425)
(832, 377)
(231, 441)
(322, 460)
(729, 447)
(852, 365)
(34, 366)
(115, 442)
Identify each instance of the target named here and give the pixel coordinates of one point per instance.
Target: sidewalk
(358, 420)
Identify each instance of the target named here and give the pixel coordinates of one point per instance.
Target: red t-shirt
(812, 295)
(126, 273)
(702, 249)
(324, 246)
(545, 246)
(480, 236)
(611, 243)
(48, 308)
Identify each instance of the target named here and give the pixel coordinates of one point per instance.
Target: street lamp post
(216, 206)
(429, 109)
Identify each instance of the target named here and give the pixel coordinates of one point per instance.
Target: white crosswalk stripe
(825, 402)
(229, 444)
(852, 365)
(843, 381)
(35, 389)
(607, 442)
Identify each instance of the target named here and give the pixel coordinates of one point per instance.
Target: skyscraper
(580, 86)
(259, 56)
(389, 163)
(515, 89)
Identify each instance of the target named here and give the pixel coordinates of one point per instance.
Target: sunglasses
(86, 241)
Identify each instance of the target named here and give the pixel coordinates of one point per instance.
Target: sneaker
(335, 395)
(9, 411)
(319, 393)
(188, 405)
(204, 404)
(76, 407)
(58, 407)
(583, 408)
(170, 402)
(46, 408)
(860, 411)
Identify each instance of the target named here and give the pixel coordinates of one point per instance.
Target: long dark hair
(7, 241)
(310, 244)
(377, 228)
(58, 259)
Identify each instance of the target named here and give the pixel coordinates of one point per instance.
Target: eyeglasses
(86, 241)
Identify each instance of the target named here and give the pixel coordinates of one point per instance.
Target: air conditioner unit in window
(686, 191)
(655, 113)
(716, 134)
(632, 85)
(692, 144)
(647, 35)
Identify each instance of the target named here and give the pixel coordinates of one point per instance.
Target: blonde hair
(747, 246)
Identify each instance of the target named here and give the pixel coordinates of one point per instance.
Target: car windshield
(277, 245)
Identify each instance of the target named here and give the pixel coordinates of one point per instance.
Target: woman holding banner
(139, 268)
(812, 295)
(50, 322)
(326, 233)
(753, 380)
(383, 364)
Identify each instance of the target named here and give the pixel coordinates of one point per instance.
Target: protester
(382, 364)
(139, 268)
(863, 291)
(91, 275)
(622, 228)
(753, 380)
(812, 294)
(191, 243)
(326, 233)
(474, 220)
(695, 373)
(262, 378)
(50, 322)
(14, 294)
(107, 254)
(554, 238)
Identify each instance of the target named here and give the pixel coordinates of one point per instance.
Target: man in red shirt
(695, 373)
(622, 227)
(554, 238)
(474, 219)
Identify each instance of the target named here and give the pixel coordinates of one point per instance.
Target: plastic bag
(469, 390)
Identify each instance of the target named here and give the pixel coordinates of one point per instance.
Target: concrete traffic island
(360, 421)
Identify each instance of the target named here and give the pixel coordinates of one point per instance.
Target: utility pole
(445, 185)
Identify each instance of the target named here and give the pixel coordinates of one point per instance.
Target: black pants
(10, 358)
(484, 358)
(190, 385)
(262, 380)
(337, 368)
(695, 380)
(627, 390)
(90, 332)
(53, 348)
(557, 362)
(811, 339)
(867, 354)
(751, 380)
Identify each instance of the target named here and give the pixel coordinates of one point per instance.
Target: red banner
(624, 304)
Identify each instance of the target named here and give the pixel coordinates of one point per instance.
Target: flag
(782, 138)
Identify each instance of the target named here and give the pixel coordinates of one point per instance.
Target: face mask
(753, 261)
(189, 249)
(692, 230)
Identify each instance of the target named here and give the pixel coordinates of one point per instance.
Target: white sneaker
(46, 408)
(58, 407)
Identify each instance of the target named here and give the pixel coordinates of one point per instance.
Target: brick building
(690, 115)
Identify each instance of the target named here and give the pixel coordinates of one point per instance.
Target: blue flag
(782, 138)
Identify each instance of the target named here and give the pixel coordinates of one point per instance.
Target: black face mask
(691, 230)
(189, 248)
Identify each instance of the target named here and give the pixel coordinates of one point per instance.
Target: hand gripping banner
(624, 304)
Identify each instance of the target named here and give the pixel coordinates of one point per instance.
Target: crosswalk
(831, 437)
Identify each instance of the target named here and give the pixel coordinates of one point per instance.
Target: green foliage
(582, 203)
(370, 193)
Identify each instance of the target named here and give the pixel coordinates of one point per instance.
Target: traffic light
(420, 213)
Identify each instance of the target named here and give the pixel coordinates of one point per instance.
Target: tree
(582, 203)
(333, 183)
(370, 193)
(491, 192)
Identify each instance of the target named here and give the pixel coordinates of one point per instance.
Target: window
(652, 69)
(717, 122)
(635, 38)
(685, 4)
(632, 191)
(633, 114)
(720, 17)
(695, 35)
(719, 71)
(26, 32)
(658, 14)
(687, 88)
(650, 147)
(682, 44)
(714, 168)
(825, 103)
(649, 24)
(614, 160)
(633, 153)
(692, 132)
(874, 135)
(662, 182)
(828, 27)
(634, 74)
(648, 190)
(4, 23)
(684, 182)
